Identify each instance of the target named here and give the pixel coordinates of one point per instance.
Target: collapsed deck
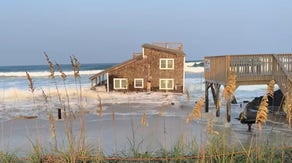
(249, 70)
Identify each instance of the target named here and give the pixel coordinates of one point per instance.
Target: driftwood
(27, 116)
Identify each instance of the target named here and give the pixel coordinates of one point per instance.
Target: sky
(108, 31)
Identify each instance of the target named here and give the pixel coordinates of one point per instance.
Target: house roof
(148, 46)
(168, 50)
(117, 66)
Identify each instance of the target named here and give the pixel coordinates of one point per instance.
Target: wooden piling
(59, 113)
(228, 111)
(215, 92)
(207, 86)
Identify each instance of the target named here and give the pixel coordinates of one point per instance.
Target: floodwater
(118, 129)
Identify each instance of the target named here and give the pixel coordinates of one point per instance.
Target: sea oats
(262, 114)
(287, 107)
(52, 69)
(188, 118)
(75, 66)
(63, 75)
(45, 96)
(144, 121)
(196, 112)
(210, 127)
(52, 125)
(242, 115)
(270, 88)
(229, 89)
(30, 82)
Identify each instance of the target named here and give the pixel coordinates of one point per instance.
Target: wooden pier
(249, 70)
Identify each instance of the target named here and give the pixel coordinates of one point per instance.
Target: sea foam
(45, 73)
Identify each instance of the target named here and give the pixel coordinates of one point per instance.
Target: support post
(228, 111)
(207, 85)
(59, 113)
(215, 92)
(102, 79)
(249, 127)
(107, 82)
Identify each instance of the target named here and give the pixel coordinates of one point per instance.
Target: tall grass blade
(197, 110)
(262, 114)
(287, 107)
(270, 88)
(228, 91)
(144, 121)
(30, 82)
(52, 69)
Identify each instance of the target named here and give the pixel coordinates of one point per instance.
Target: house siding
(148, 68)
(134, 70)
(153, 57)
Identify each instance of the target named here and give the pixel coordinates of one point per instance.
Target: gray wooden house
(160, 67)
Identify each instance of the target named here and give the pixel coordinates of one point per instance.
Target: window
(166, 63)
(139, 83)
(166, 84)
(120, 83)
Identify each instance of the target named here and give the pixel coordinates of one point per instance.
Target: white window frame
(166, 62)
(120, 83)
(138, 79)
(167, 80)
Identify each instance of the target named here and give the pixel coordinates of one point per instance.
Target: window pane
(124, 84)
(117, 84)
(163, 84)
(138, 83)
(170, 64)
(169, 84)
(162, 63)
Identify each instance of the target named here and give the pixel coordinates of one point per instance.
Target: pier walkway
(249, 70)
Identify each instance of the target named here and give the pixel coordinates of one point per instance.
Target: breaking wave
(45, 73)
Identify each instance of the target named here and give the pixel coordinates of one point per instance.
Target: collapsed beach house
(160, 67)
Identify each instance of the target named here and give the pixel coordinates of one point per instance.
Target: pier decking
(249, 70)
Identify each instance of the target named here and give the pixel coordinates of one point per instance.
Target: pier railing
(169, 45)
(282, 72)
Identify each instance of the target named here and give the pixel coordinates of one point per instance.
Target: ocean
(15, 76)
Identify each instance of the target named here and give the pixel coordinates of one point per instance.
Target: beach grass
(7, 157)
